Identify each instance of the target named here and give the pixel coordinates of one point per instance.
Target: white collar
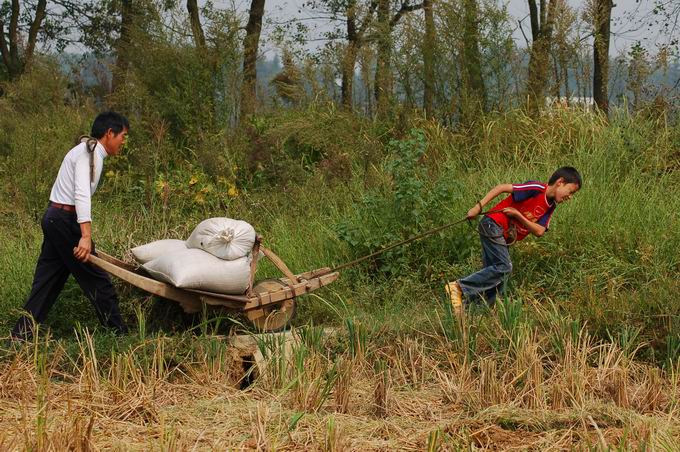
(101, 150)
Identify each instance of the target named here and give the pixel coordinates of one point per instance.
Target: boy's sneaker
(455, 294)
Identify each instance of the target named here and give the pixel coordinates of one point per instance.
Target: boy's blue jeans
(490, 280)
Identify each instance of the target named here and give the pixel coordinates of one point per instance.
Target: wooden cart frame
(269, 304)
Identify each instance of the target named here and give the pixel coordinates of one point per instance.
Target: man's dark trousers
(61, 233)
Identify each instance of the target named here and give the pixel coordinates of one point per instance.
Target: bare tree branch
(195, 20)
(533, 13)
(519, 22)
(14, 31)
(33, 30)
(405, 8)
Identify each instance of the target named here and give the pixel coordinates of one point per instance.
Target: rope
(409, 240)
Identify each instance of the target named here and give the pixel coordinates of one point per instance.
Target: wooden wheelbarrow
(269, 304)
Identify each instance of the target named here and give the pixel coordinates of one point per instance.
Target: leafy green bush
(407, 203)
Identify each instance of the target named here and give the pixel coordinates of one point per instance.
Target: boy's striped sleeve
(529, 189)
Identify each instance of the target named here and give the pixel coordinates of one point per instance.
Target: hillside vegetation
(582, 352)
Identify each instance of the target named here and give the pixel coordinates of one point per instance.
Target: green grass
(609, 260)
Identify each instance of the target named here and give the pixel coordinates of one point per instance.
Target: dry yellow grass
(424, 395)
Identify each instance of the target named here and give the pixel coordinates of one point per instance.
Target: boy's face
(564, 190)
(113, 142)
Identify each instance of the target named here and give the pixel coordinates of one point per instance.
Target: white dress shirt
(73, 185)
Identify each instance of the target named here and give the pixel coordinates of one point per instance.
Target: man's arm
(84, 248)
(82, 193)
(497, 190)
(535, 228)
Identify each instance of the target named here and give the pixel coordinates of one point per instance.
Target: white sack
(150, 251)
(223, 237)
(196, 269)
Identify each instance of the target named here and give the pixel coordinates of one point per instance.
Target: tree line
(436, 55)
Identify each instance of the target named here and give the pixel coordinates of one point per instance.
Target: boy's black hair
(568, 173)
(109, 120)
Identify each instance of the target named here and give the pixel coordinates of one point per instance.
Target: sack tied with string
(225, 238)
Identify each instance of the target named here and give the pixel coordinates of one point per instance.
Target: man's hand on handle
(84, 248)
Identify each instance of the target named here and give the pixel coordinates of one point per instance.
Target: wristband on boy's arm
(479, 203)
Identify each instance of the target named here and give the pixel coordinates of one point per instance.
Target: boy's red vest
(530, 200)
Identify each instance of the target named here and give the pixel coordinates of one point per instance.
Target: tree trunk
(251, 43)
(196, 28)
(383, 67)
(207, 58)
(539, 54)
(365, 66)
(472, 57)
(123, 45)
(383, 70)
(603, 13)
(538, 74)
(428, 59)
(348, 64)
(408, 90)
(15, 63)
(14, 38)
(350, 58)
(565, 76)
(557, 83)
(33, 33)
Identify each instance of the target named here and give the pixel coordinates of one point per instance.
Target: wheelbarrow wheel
(275, 317)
